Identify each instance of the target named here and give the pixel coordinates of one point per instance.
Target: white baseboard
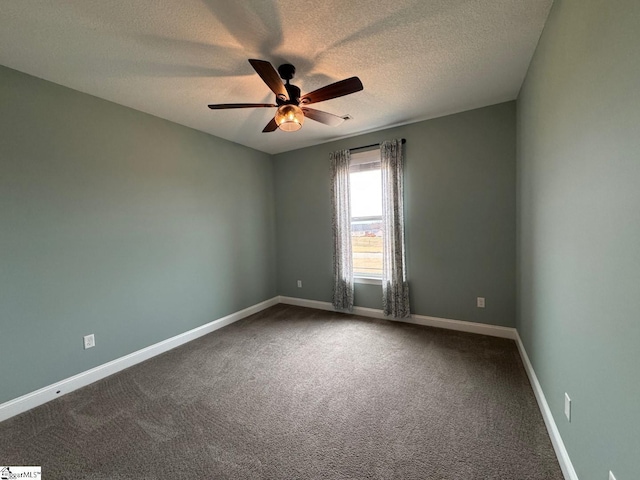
(46, 394)
(470, 327)
(303, 302)
(558, 445)
(459, 325)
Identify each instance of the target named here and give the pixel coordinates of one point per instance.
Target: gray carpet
(295, 393)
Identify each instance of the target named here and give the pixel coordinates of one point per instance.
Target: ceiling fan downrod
(287, 72)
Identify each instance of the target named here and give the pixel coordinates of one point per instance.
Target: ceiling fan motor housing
(294, 96)
(287, 72)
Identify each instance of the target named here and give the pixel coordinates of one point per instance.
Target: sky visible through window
(366, 194)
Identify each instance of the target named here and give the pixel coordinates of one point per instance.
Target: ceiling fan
(292, 107)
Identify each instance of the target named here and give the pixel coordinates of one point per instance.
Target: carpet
(297, 393)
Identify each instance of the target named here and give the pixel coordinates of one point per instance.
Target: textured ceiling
(417, 59)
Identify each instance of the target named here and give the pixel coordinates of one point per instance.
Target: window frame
(360, 162)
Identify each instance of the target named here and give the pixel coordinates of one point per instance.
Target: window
(365, 182)
(369, 236)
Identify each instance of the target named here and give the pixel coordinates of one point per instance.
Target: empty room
(273, 239)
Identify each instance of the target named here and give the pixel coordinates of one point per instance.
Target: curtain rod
(372, 145)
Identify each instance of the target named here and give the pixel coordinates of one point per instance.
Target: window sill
(367, 280)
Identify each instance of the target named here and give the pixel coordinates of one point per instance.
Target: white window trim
(367, 280)
(361, 158)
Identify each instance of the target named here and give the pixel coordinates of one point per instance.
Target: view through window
(365, 180)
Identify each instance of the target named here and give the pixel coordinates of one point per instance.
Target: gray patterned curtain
(341, 202)
(395, 289)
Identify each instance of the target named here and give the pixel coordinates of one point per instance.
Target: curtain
(395, 289)
(341, 219)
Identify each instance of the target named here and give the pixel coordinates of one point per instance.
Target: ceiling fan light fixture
(289, 118)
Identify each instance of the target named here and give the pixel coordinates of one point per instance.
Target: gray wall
(579, 229)
(460, 216)
(120, 224)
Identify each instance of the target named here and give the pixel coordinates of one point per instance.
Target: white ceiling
(417, 59)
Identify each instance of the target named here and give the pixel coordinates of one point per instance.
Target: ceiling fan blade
(222, 106)
(335, 90)
(270, 77)
(271, 126)
(322, 117)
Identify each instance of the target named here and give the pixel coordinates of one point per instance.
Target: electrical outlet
(567, 407)
(89, 341)
(480, 302)
(299, 283)
(611, 477)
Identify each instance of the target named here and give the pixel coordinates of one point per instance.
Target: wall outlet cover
(480, 302)
(89, 341)
(299, 283)
(567, 407)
